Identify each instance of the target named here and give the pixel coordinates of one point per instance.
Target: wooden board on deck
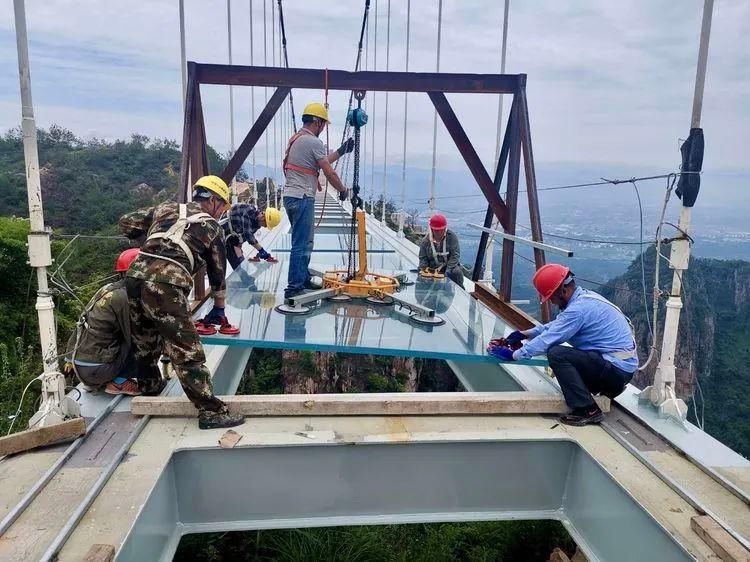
(38, 437)
(721, 542)
(383, 404)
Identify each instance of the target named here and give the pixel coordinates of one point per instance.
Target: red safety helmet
(548, 279)
(123, 261)
(438, 222)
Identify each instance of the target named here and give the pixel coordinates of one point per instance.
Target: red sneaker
(129, 387)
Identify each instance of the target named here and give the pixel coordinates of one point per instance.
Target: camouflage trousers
(160, 322)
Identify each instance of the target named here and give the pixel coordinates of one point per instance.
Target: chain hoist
(356, 118)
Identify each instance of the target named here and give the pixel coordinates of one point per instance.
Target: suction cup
(205, 329)
(288, 309)
(376, 300)
(340, 298)
(427, 320)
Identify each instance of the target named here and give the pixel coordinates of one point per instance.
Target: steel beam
(314, 79)
(187, 132)
(470, 155)
(260, 125)
(499, 173)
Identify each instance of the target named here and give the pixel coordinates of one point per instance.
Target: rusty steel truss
(516, 142)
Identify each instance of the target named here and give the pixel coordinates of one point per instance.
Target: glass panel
(254, 290)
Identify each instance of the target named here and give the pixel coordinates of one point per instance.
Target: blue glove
(515, 337)
(504, 353)
(262, 254)
(216, 316)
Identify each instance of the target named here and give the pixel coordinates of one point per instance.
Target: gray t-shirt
(305, 152)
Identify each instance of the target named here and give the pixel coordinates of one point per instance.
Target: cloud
(608, 82)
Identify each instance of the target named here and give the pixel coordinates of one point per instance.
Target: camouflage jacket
(104, 327)
(205, 240)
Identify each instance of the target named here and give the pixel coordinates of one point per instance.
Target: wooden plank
(721, 542)
(513, 315)
(314, 79)
(383, 404)
(100, 553)
(38, 437)
(470, 156)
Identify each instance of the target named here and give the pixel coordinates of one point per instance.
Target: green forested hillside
(86, 187)
(713, 351)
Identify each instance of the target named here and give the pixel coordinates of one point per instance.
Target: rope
(434, 115)
(286, 61)
(374, 100)
(385, 122)
(252, 105)
(406, 114)
(325, 192)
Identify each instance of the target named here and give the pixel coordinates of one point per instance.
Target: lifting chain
(356, 118)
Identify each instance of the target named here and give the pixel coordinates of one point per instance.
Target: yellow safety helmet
(215, 185)
(316, 110)
(273, 218)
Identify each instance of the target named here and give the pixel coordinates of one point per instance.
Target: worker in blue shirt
(602, 356)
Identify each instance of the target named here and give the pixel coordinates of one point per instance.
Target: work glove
(216, 316)
(343, 194)
(515, 337)
(504, 353)
(262, 254)
(348, 146)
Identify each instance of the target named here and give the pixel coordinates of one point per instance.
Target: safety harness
(175, 234)
(443, 250)
(624, 354)
(83, 324)
(295, 167)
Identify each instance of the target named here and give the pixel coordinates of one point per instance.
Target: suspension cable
(364, 138)
(275, 121)
(406, 116)
(265, 93)
(385, 121)
(434, 115)
(286, 61)
(252, 104)
(374, 99)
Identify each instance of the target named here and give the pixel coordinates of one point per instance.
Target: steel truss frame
(516, 143)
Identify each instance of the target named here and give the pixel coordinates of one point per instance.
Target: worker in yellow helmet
(177, 241)
(306, 156)
(240, 226)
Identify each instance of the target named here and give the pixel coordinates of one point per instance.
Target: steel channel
(21, 506)
(684, 494)
(51, 552)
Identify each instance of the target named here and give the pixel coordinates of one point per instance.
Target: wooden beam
(470, 155)
(720, 541)
(498, 181)
(260, 125)
(385, 404)
(511, 200)
(531, 191)
(512, 315)
(314, 79)
(38, 437)
(100, 553)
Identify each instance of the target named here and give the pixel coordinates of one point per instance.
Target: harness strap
(165, 258)
(443, 252)
(295, 167)
(176, 232)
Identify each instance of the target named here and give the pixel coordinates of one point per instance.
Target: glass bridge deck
(355, 326)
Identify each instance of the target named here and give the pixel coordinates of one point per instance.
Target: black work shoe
(151, 387)
(214, 420)
(583, 416)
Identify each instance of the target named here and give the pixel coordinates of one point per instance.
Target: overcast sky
(608, 82)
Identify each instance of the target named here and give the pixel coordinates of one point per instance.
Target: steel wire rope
(385, 120)
(406, 118)
(252, 105)
(286, 62)
(431, 200)
(325, 190)
(265, 93)
(643, 262)
(374, 100)
(364, 139)
(275, 121)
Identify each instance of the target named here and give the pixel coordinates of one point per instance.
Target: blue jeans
(301, 213)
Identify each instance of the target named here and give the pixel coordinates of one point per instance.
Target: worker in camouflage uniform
(99, 350)
(180, 239)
